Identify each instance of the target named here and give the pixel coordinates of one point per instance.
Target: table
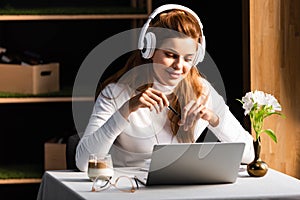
(76, 185)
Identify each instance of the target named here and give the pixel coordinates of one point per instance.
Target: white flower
(248, 97)
(259, 97)
(259, 105)
(247, 102)
(272, 101)
(247, 106)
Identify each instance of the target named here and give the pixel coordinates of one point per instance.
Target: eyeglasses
(122, 183)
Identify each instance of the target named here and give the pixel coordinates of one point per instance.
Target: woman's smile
(174, 75)
(173, 60)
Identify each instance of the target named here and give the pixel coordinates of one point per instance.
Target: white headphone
(147, 41)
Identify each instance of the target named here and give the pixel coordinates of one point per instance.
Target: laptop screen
(196, 163)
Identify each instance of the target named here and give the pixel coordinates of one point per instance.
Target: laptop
(196, 163)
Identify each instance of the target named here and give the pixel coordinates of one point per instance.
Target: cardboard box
(33, 79)
(55, 156)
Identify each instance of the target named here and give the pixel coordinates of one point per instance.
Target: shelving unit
(52, 101)
(73, 17)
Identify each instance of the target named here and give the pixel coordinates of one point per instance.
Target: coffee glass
(100, 165)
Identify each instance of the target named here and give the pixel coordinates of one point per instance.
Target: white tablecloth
(76, 185)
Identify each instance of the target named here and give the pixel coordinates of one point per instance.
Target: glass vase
(257, 168)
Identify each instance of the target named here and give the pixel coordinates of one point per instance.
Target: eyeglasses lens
(122, 183)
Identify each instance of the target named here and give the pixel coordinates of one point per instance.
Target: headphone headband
(160, 10)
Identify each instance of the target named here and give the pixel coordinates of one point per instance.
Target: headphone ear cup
(199, 55)
(150, 44)
(200, 52)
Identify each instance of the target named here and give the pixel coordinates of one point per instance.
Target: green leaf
(280, 114)
(271, 133)
(275, 113)
(240, 101)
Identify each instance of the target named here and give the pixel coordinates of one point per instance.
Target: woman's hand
(150, 98)
(194, 111)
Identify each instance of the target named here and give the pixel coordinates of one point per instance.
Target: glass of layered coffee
(100, 166)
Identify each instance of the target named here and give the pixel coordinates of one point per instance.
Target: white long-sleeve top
(131, 141)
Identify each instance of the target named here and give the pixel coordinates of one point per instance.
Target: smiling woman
(176, 57)
(132, 111)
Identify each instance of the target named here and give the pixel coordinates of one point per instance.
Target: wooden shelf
(136, 10)
(20, 181)
(44, 99)
(71, 17)
(63, 95)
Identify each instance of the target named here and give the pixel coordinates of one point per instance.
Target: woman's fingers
(193, 115)
(159, 96)
(192, 112)
(153, 99)
(185, 112)
(146, 101)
